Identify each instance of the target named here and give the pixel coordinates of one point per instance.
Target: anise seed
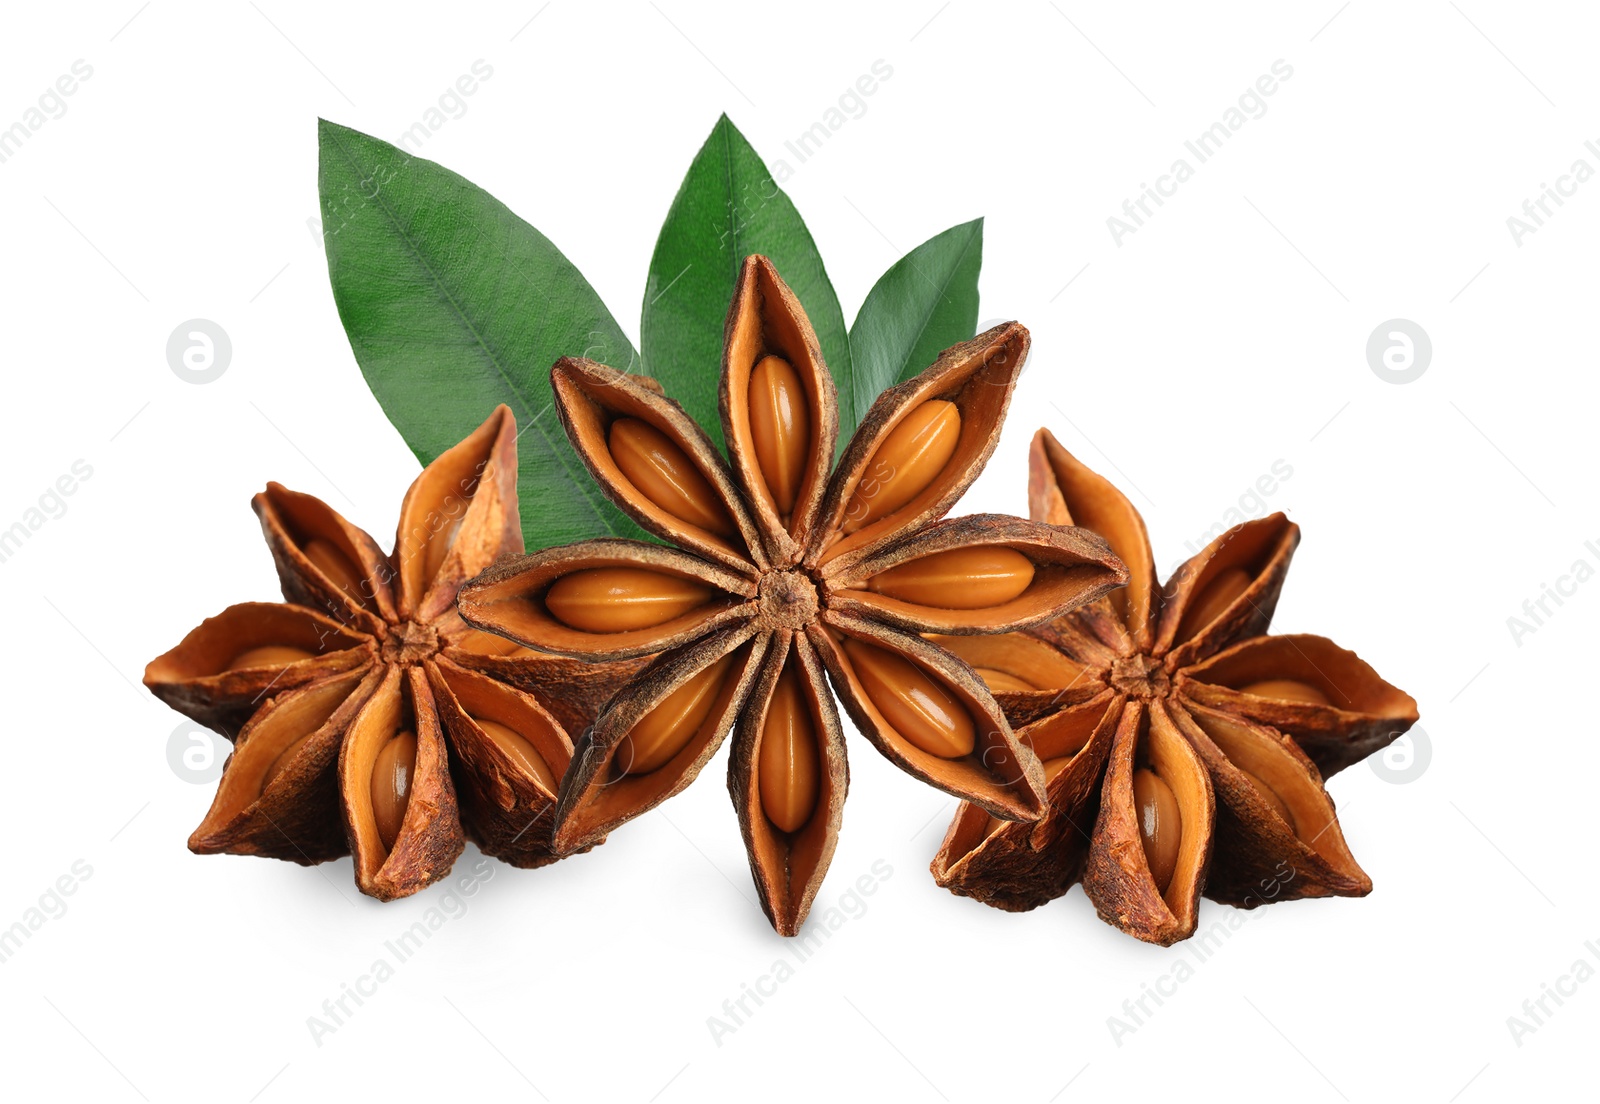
(789, 756)
(976, 577)
(1277, 804)
(915, 705)
(1003, 682)
(664, 474)
(1217, 596)
(391, 785)
(907, 462)
(328, 559)
(269, 655)
(1160, 825)
(666, 729)
(622, 599)
(441, 539)
(519, 750)
(780, 428)
(1291, 690)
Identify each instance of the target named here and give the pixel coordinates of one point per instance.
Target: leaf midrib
(589, 494)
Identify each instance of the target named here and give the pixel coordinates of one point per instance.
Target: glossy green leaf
(925, 303)
(453, 304)
(728, 208)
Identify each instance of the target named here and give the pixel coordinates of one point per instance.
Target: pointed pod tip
(502, 411)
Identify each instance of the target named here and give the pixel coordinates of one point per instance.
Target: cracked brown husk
(780, 573)
(316, 692)
(1185, 749)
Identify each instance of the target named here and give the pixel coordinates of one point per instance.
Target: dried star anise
(781, 572)
(385, 708)
(1185, 750)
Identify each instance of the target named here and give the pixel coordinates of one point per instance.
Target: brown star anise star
(781, 572)
(363, 709)
(1185, 750)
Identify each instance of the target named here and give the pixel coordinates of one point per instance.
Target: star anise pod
(367, 717)
(1185, 750)
(781, 572)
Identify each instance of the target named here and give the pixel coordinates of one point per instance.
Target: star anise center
(1140, 676)
(409, 642)
(788, 599)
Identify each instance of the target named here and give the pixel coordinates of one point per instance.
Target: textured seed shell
(1063, 491)
(472, 487)
(297, 818)
(1027, 657)
(1020, 866)
(1262, 548)
(589, 396)
(1061, 680)
(978, 376)
(192, 678)
(288, 520)
(1259, 859)
(1071, 567)
(765, 318)
(1001, 774)
(574, 691)
(430, 838)
(788, 869)
(1367, 713)
(1076, 640)
(592, 803)
(506, 811)
(508, 599)
(1117, 875)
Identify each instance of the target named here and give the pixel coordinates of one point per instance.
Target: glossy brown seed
(269, 655)
(664, 474)
(1003, 682)
(1217, 596)
(913, 704)
(962, 578)
(789, 756)
(313, 723)
(448, 517)
(909, 459)
(519, 751)
(1160, 825)
(780, 428)
(621, 599)
(284, 758)
(391, 785)
(1287, 690)
(663, 732)
(328, 559)
(1277, 803)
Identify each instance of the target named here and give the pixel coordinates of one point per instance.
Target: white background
(1226, 334)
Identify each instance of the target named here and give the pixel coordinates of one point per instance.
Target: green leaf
(728, 208)
(925, 303)
(452, 305)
